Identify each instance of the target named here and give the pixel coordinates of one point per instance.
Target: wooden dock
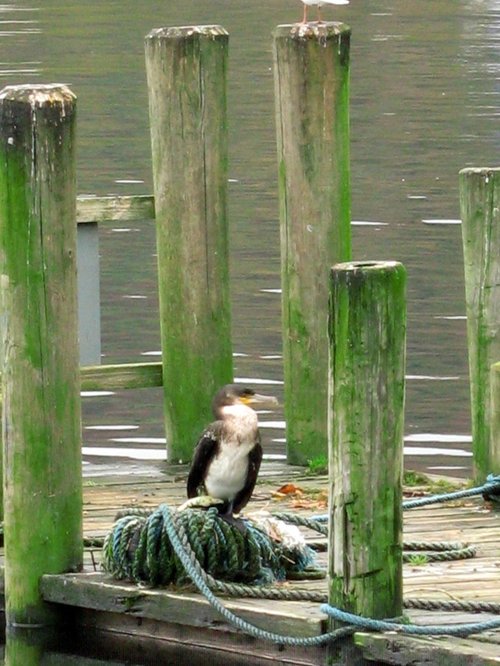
(170, 623)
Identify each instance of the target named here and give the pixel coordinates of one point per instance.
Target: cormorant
(228, 454)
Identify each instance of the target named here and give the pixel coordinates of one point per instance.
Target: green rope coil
(138, 549)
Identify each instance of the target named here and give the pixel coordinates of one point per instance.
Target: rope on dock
(125, 544)
(432, 551)
(490, 490)
(187, 557)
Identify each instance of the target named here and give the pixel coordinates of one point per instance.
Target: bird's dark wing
(204, 452)
(254, 460)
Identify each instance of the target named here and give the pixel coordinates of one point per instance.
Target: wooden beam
(114, 209)
(445, 651)
(123, 376)
(101, 592)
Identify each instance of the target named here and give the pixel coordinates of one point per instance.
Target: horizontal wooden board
(114, 208)
(123, 376)
(394, 649)
(101, 592)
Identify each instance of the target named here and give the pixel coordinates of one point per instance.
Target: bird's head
(232, 395)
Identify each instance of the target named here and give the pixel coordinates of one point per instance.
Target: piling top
(183, 32)
(479, 170)
(38, 95)
(313, 30)
(365, 266)
(358, 272)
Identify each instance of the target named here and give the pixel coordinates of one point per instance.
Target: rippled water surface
(424, 104)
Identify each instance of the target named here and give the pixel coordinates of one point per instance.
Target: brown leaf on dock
(288, 489)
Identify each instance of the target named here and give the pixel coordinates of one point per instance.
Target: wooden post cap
(183, 32)
(37, 95)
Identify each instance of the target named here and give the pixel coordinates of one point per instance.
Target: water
(424, 104)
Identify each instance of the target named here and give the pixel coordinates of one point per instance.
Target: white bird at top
(319, 4)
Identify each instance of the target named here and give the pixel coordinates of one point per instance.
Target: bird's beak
(259, 399)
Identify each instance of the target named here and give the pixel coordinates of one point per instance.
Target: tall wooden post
(366, 421)
(186, 73)
(480, 211)
(311, 72)
(494, 448)
(40, 368)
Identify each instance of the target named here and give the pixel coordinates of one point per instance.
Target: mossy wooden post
(186, 73)
(480, 212)
(311, 73)
(40, 375)
(366, 420)
(494, 448)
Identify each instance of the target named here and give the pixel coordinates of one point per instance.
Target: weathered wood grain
(366, 424)
(493, 462)
(101, 592)
(124, 376)
(424, 651)
(480, 212)
(475, 579)
(186, 73)
(114, 208)
(40, 387)
(311, 73)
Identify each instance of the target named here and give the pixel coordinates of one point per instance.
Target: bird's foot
(238, 523)
(200, 502)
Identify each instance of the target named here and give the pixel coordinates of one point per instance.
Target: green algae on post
(480, 212)
(40, 373)
(186, 73)
(366, 426)
(311, 74)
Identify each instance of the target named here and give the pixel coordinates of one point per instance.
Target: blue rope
(427, 630)
(491, 485)
(193, 569)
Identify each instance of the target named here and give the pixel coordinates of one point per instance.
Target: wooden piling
(480, 206)
(40, 377)
(186, 73)
(493, 464)
(366, 420)
(311, 73)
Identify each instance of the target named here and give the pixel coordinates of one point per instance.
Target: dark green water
(425, 103)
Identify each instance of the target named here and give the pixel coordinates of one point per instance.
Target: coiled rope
(139, 549)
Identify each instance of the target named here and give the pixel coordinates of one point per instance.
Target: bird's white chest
(227, 473)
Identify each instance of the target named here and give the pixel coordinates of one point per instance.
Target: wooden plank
(102, 593)
(123, 376)
(152, 642)
(397, 649)
(114, 208)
